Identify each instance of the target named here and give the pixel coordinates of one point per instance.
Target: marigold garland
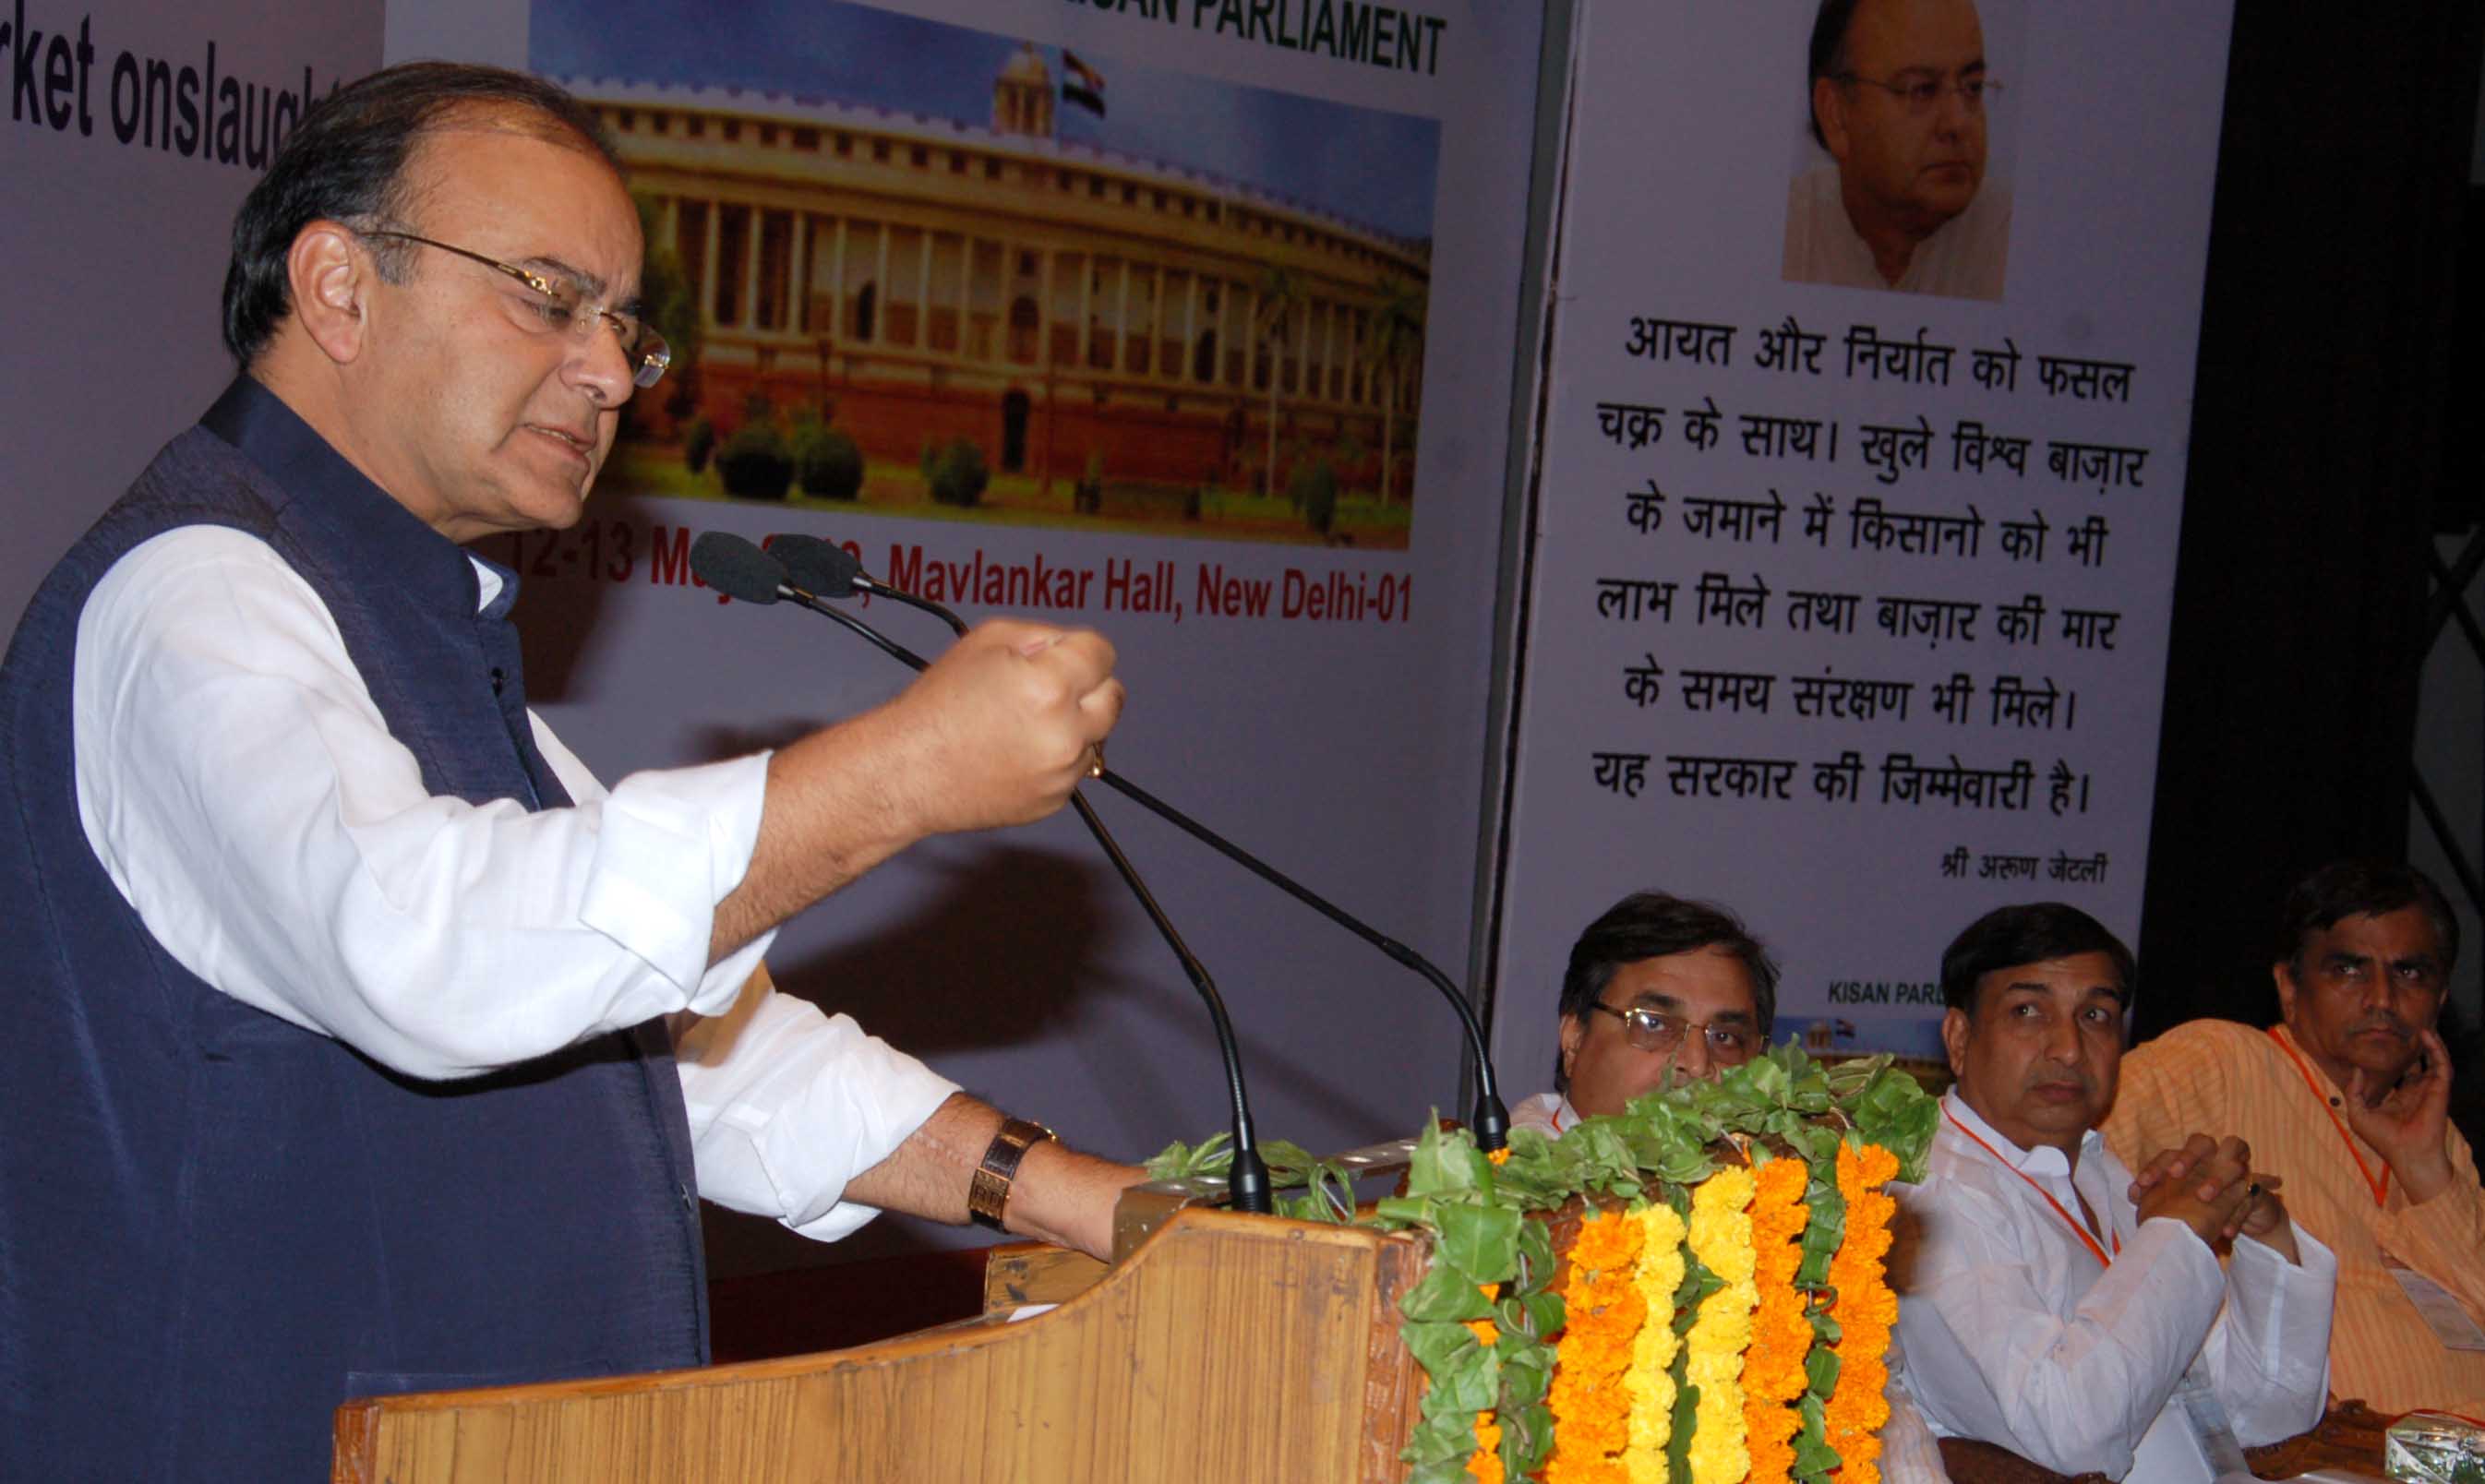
(1651, 1381)
(1486, 1466)
(1865, 1310)
(1485, 1330)
(1602, 1415)
(1773, 1371)
(1721, 1238)
(1613, 1391)
(1590, 1409)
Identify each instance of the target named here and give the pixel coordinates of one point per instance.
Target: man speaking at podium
(338, 1059)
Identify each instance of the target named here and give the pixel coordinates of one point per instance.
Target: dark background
(2334, 433)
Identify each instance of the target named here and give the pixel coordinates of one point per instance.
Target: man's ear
(1954, 1033)
(2283, 974)
(329, 275)
(1829, 111)
(1574, 1030)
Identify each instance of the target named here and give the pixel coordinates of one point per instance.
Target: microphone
(825, 569)
(830, 571)
(738, 569)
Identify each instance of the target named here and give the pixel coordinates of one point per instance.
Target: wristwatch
(988, 1194)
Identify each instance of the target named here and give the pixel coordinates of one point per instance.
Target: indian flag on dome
(1081, 84)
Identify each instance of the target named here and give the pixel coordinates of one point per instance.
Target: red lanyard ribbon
(2380, 1188)
(2079, 1229)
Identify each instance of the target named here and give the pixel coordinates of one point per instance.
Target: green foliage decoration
(1666, 1141)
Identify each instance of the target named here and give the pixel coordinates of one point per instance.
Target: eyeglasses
(1654, 1030)
(558, 303)
(1923, 94)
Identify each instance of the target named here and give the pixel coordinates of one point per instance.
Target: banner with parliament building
(1140, 296)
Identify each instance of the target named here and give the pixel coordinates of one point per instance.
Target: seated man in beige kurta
(2347, 1099)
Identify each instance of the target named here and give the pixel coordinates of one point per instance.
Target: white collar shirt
(1549, 1114)
(2015, 1333)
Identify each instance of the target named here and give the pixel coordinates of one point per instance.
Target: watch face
(986, 1196)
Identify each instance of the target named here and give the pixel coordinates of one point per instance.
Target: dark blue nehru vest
(214, 1226)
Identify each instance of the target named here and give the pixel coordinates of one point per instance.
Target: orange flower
(1865, 1310)
(1561, 1471)
(1499, 1156)
(1773, 1373)
(1590, 1407)
(1485, 1332)
(1486, 1465)
(1605, 1242)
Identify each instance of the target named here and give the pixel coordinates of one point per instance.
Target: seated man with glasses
(1660, 990)
(1898, 90)
(1656, 987)
(344, 1000)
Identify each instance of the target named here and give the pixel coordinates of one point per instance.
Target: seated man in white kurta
(2060, 1309)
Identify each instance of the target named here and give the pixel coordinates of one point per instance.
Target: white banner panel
(130, 134)
(1850, 600)
(1018, 299)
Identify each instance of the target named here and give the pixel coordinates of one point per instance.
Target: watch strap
(987, 1193)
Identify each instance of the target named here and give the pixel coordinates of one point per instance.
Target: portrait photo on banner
(1904, 145)
(926, 269)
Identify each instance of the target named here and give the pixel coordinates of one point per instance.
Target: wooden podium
(1226, 1348)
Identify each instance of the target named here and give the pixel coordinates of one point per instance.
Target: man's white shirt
(2015, 1333)
(1549, 1114)
(239, 786)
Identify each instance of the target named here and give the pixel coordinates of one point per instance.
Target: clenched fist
(1003, 726)
(998, 731)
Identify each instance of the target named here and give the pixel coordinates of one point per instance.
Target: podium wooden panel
(1228, 1348)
